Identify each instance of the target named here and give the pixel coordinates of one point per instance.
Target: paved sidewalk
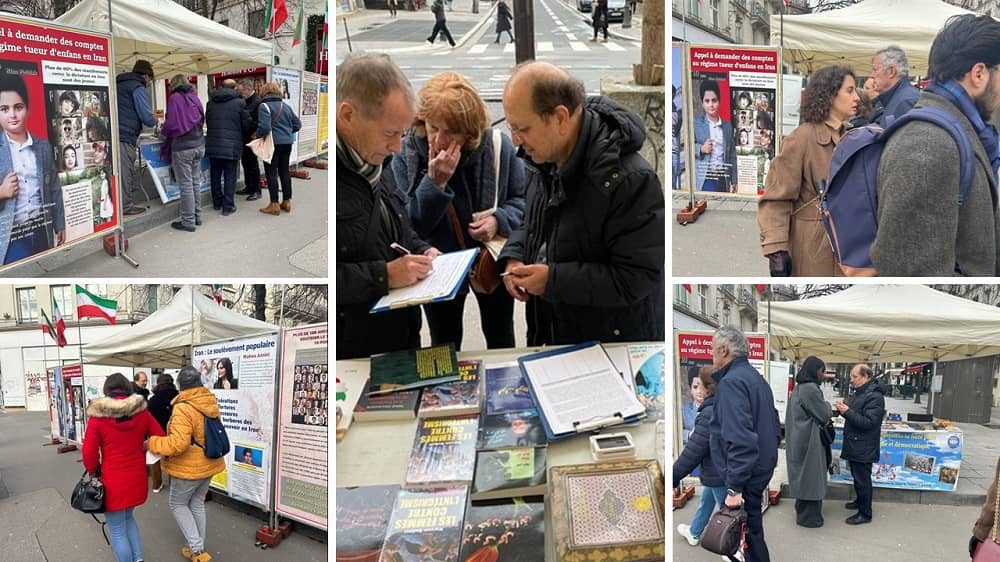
(723, 242)
(39, 524)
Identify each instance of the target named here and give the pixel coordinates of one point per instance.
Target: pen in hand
(401, 250)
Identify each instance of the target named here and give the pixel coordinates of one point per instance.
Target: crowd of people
(123, 425)
(581, 211)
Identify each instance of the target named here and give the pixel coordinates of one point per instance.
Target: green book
(413, 368)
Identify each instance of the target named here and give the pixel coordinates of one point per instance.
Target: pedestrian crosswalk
(572, 44)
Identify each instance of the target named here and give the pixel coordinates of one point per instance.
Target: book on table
(443, 452)
(362, 515)
(647, 361)
(522, 428)
(461, 397)
(506, 530)
(506, 390)
(413, 368)
(426, 525)
(381, 406)
(448, 273)
(509, 473)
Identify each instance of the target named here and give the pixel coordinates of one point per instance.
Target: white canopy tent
(164, 339)
(171, 37)
(883, 323)
(851, 35)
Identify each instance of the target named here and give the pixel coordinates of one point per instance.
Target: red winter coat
(115, 432)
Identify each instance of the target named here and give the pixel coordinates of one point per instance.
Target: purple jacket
(183, 123)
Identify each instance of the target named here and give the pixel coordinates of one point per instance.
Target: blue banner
(910, 460)
(163, 173)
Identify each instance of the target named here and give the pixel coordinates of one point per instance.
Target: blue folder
(452, 293)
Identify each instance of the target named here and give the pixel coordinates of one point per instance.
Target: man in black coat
(744, 433)
(161, 409)
(863, 415)
(228, 122)
(251, 168)
(589, 257)
(375, 107)
(440, 24)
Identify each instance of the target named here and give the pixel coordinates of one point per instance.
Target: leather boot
(286, 205)
(271, 209)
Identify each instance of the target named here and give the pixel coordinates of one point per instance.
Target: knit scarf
(366, 170)
(987, 133)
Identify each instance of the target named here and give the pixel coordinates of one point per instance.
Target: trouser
(187, 503)
(600, 21)
(251, 170)
(278, 169)
(753, 494)
(809, 513)
(223, 193)
(125, 539)
(496, 313)
(392, 8)
(187, 171)
(711, 499)
(130, 172)
(27, 239)
(861, 472)
(511, 35)
(441, 27)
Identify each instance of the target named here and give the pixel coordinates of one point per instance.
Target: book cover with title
(444, 452)
(426, 525)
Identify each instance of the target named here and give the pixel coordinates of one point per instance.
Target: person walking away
(792, 236)
(504, 18)
(118, 425)
(392, 7)
(440, 23)
(599, 18)
(185, 461)
(744, 433)
(251, 168)
(698, 453)
(160, 406)
(228, 122)
(863, 415)
(133, 113)
(805, 453)
(276, 117)
(185, 146)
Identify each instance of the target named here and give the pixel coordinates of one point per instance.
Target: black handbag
(725, 530)
(827, 435)
(88, 497)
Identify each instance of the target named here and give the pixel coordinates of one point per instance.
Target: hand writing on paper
(530, 279)
(407, 270)
(484, 229)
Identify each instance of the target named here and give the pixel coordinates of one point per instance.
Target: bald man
(863, 415)
(589, 258)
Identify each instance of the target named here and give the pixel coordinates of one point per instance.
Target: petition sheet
(448, 271)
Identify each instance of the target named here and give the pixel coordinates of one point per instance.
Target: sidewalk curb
(424, 48)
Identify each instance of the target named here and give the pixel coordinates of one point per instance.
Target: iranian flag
(300, 24)
(51, 330)
(277, 13)
(89, 305)
(60, 324)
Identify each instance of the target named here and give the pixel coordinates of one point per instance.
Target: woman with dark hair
(806, 416)
(69, 158)
(118, 424)
(69, 106)
(161, 406)
(96, 130)
(791, 233)
(744, 100)
(226, 381)
(691, 402)
(697, 453)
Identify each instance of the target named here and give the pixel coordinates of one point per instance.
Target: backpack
(849, 202)
(216, 441)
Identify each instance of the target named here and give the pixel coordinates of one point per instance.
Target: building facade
(707, 307)
(738, 22)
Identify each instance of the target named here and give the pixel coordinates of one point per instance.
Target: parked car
(616, 10)
(583, 5)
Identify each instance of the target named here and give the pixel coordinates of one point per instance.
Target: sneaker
(738, 556)
(178, 225)
(685, 531)
(157, 490)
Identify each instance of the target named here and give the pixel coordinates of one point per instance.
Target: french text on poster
(70, 74)
(753, 80)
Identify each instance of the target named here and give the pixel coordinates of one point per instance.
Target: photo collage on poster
(310, 395)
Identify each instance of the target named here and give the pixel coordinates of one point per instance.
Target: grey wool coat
(804, 450)
(922, 231)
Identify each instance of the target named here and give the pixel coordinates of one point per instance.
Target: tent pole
(930, 393)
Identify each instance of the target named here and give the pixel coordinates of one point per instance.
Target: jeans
(130, 172)
(753, 500)
(223, 198)
(27, 239)
(125, 540)
(278, 169)
(496, 310)
(187, 170)
(187, 503)
(711, 499)
(861, 472)
(251, 170)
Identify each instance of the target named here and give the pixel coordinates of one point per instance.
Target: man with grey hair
(375, 107)
(896, 95)
(251, 168)
(744, 433)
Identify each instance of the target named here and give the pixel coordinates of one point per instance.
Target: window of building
(725, 316)
(27, 305)
(713, 9)
(255, 23)
(739, 31)
(99, 289)
(65, 297)
(703, 299)
(680, 295)
(693, 6)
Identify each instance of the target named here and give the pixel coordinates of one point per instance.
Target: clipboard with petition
(449, 271)
(578, 389)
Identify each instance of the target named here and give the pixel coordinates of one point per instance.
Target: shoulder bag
(88, 497)
(264, 148)
(725, 530)
(989, 549)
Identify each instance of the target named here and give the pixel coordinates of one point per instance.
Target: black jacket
(698, 450)
(863, 423)
(744, 429)
(252, 103)
(159, 404)
(438, 9)
(363, 251)
(600, 219)
(228, 123)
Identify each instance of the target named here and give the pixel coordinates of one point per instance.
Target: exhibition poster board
(58, 83)
(909, 460)
(54, 419)
(678, 131)
(324, 123)
(303, 430)
(68, 383)
(693, 350)
(244, 389)
(163, 173)
(309, 116)
(35, 398)
(290, 81)
(731, 101)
